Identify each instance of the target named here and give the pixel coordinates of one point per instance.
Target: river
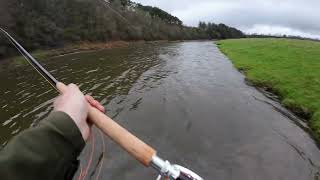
(185, 99)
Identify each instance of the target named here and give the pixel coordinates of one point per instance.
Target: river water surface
(185, 99)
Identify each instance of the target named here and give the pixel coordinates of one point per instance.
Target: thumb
(61, 87)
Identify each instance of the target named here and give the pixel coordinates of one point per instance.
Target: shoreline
(272, 95)
(303, 115)
(80, 47)
(297, 116)
(69, 49)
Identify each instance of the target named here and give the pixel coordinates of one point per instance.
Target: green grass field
(290, 68)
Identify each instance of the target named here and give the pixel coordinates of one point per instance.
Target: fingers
(73, 86)
(61, 87)
(89, 99)
(94, 103)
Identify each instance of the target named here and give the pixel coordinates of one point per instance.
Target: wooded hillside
(51, 23)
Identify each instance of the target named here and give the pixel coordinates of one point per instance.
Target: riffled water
(185, 99)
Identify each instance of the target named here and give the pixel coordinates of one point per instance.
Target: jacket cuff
(64, 124)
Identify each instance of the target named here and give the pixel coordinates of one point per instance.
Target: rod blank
(52, 80)
(133, 145)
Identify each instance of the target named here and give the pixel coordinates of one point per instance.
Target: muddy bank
(84, 46)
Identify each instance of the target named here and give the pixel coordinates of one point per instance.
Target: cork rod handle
(133, 145)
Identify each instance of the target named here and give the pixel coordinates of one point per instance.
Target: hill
(53, 23)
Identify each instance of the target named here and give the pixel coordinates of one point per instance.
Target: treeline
(159, 13)
(219, 31)
(53, 23)
(280, 36)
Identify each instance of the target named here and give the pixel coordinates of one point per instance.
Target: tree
(51, 23)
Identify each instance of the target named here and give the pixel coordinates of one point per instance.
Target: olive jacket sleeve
(48, 151)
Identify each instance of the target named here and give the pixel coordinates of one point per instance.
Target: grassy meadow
(289, 68)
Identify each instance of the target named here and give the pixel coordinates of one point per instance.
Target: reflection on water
(27, 98)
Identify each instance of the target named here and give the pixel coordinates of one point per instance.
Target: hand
(94, 103)
(76, 105)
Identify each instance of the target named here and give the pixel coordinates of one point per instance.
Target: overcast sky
(292, 17)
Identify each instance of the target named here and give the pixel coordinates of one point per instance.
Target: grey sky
(293, 17)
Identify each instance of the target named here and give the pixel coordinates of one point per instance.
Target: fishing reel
(172, 172)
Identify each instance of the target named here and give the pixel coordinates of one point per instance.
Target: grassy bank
(289, 68)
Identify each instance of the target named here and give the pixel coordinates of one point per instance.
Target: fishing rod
(142, 152)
